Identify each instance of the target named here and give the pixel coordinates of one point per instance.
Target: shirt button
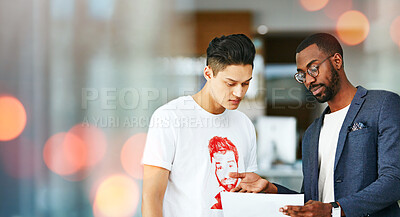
(339, 181)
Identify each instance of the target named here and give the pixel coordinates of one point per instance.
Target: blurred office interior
(79, 80)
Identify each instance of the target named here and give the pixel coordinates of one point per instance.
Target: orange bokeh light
(94, 140)
(337, 7)
(313, 5)
(352, 27)
(64, 153)
(12, 118)
(118, 195)
(395, 30)
(131, 155)
(73, 153)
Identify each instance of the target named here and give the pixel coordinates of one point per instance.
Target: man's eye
(313, 69)
(230, 84)
(245, 84)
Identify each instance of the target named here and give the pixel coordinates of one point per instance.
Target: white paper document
(257, 205)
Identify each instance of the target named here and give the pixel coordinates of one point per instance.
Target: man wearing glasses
(351, 154)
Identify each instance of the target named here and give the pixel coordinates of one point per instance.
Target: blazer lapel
(355, 106)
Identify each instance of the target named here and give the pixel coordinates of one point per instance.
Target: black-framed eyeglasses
(312, 71)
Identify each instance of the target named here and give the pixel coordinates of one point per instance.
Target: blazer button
(339, 181)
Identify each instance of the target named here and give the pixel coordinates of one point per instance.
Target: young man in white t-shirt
(194, 142)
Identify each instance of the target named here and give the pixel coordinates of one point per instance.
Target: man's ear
(208, 73)
(338, 61)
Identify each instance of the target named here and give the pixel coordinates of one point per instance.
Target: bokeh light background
(79, 80)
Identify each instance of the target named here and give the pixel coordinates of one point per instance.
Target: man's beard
(230, 185)
(331, 89)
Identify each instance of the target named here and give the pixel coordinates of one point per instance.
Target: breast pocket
(360, 142)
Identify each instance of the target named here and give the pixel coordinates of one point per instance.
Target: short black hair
(236, 49)
(327, 43)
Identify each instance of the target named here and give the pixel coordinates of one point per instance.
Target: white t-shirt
(328, 140)
(199, 149)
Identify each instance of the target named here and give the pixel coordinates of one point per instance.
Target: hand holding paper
(311, 208)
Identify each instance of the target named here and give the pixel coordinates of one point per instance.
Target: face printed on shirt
(225, 157)
(224, 164)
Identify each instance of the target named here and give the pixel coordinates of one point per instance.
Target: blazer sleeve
(284, 190)
(385, 191)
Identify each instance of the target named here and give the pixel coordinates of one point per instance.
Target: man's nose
(309, 80)
(238, 91)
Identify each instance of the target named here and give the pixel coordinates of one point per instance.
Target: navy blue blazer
(367, 161)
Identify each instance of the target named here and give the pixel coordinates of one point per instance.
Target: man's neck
(342, 98)
(207, 102)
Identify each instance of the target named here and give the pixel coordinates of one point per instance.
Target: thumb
(237, 175)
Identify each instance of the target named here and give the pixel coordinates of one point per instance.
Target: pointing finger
(237, 175)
